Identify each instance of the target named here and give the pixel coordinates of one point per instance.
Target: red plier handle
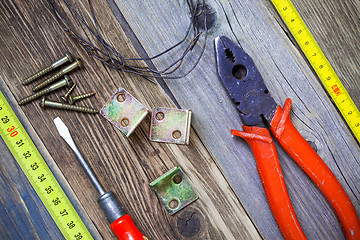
(304, 155)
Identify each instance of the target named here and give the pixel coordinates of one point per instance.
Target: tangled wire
(112, 58)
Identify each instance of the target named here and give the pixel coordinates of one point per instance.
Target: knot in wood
(188, 223)
(205, 16)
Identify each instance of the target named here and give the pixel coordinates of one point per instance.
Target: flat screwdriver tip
(65, 134)
(63, 130)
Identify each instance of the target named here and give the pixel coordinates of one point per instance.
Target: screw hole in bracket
(121, 97)
(174, 190)
(159, 116)
(176, 134)
(174, 203)
(177, 179)
(124, 122)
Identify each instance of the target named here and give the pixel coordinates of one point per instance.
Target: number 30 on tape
(39, 175)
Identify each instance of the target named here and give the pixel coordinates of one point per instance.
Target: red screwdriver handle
(125, 229)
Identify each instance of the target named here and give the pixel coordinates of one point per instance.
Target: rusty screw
(62, 83)
(46, 103)
(67, 58)
(77, 64)
(65, 97)
(72, 100)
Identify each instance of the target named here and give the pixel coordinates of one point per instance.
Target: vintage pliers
(261, 115)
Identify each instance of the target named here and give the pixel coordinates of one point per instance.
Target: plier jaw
(263, 118)
(244, 83)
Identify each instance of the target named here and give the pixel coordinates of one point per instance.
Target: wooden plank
(10, 214)
(124, 165)
(335, 26)
(20, 205)
(286, 74)
(23, 213)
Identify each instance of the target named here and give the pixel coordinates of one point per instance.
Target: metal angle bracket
(170, 125)
(174, 190)
(124, 111)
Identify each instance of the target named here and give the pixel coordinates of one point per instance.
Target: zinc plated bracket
(124, 111)
(170, 125)
(174, 190)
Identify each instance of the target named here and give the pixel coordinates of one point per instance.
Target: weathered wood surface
(30, 39)
(336, 27)
(22, 213)
(286, 75)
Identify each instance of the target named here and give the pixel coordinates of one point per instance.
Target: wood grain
(232, 204)
(23, 213)
(124, 165)
(286, 74)
(335, 26)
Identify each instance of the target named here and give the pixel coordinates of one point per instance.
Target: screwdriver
(120, 222)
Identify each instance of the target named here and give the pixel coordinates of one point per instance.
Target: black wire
(112, 58)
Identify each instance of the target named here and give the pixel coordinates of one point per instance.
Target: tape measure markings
(39, 175)
(320, 64)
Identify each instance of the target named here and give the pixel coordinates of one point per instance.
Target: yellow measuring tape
(320, 64)
(39, 174)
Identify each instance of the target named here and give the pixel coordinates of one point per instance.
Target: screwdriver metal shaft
(120, 222)
(86, 166)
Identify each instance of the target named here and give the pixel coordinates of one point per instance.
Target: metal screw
(62, 83)
(67, 58)
(58, 105)
(65, 97)
(73, 99)
(77, 64)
